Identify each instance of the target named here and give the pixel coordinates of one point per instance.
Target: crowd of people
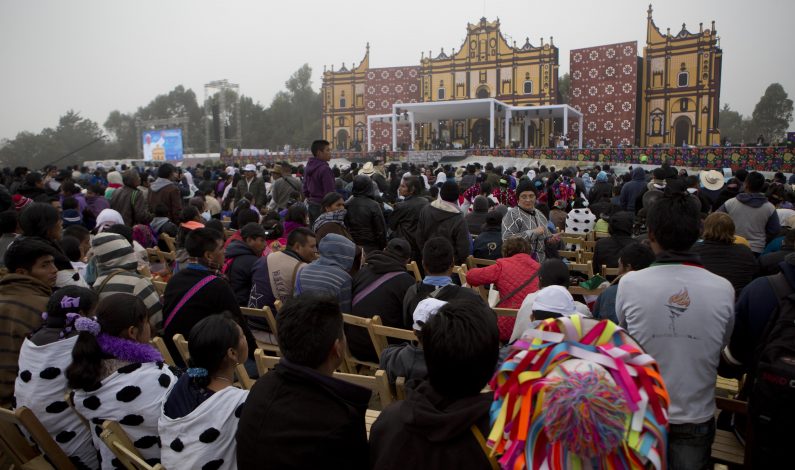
(693, 268)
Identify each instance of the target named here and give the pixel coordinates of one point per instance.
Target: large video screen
(163, 144)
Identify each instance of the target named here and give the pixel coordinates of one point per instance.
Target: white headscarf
(107, 218)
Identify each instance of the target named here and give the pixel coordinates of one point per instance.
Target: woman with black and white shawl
(200, 415)
(117, 375)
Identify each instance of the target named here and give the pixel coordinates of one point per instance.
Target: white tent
(481, 108)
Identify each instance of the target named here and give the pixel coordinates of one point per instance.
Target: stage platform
(768, 159)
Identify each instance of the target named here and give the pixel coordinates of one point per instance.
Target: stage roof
(477, 108)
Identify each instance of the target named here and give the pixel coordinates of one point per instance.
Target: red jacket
(508, 274)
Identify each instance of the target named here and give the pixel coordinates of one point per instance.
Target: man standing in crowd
(283, 187)
(318, 178)
(403, 221)
(129, 201)
(443, 218)
(681, 314)
(24, 293)
(754, 217)
(299, 415)
(251, 184)
(164, 190)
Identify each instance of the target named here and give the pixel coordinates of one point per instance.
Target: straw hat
(711, 180)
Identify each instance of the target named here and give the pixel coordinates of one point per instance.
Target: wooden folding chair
(609, 271)
(122, 447)
(588, 245)
(473, 262)
(400, 388)
(265, 363)
(377, 383)
(585, 256)
(585, 268)
(170, 243)
(20, 451)
(278, 305)
(182, 347)
(245, 380)
(414, 269)
(506, 312)
(158, 342)
(726, 448)
(351, 362)
(572, 256)
(266, 314)
(380, 334)
(462, 274)
(600, 235)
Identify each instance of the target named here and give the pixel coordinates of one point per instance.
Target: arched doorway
(342, 139)
(681, 131)
(483, 92)
(532, 135)
(480, 132)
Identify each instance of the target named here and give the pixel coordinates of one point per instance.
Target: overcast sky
(97, 56)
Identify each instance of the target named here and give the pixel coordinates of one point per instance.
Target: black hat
(252, 230)
(525, 185)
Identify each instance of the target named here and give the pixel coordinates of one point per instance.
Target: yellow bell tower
(680, 86)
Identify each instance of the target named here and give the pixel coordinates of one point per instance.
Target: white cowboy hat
(711, 180)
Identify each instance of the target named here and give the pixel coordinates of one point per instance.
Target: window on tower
(528, 87)
(683, 79)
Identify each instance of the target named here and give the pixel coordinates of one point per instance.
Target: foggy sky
(97, 56)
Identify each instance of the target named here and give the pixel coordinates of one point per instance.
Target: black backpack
(771, 405)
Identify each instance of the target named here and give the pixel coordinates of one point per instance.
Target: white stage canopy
(482, 108)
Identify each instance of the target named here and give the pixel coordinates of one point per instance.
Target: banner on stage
(163, 144)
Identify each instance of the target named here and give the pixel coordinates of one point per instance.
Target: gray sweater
(754, 218)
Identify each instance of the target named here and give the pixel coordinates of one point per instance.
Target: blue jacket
(632, 190)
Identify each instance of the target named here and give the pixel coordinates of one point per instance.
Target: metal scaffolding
(225, 112)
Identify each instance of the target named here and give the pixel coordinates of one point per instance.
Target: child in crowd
(41, 383)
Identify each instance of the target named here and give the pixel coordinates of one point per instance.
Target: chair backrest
(264, 363)
(351, 363)
(245, 380)
(278, 305)
(379, 334)
(588, 245)
(377, 383)
(506, 312)
(267, 314)
(600, 235)
(18, 448)
(462, 273)
(585, 268)
(585, 256)
(577, 290)
(122, 447)
(609, 271)
(160, 287)
(414, 269)
(569, 255)
(182, 347)
(170, 243)
(473, 262)
(229, 232)
(400, 388)
(158, 342)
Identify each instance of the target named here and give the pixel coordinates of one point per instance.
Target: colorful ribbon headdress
(610, 414)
